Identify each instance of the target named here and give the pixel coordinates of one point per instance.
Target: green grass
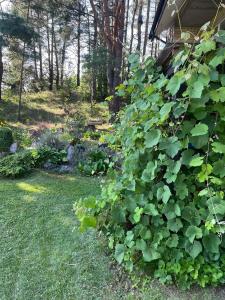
(43, 255)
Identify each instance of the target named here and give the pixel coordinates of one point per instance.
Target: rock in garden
(49, 166)
(13, 148)
(65, 169)
(70, 154)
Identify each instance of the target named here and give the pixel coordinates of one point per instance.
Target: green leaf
(150, 255)
(137, 214)
(175, 82)
(194, 249)
(140, 244)
(88, 222)
(150, 209)
(196, 85)
(118, 214)
(164, 193)
(204, 47)
(211, 243)
(193, 232)
(205, 172)
(218, 58)
(199, 129)
(172, 241)
(174, 225)
(196, 90)
(171, 146)
(220, 36)
(218, 95)
(119, 253)
(218, 147)
(203, 193)
(181, 189)
(191, 215)
(219, 168)
(152, 138)
(196, 161)
(149, 172)
(165, 110)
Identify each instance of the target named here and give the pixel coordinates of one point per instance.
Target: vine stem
(207, 181)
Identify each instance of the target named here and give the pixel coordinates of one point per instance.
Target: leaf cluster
(165, 210)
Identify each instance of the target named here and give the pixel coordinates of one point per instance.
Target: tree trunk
(48, 50)
(94, 71)
(132, 25)
(115, 104)
(125, 39)
(140, 22)
(22, 71)
(112, 30)
(56, 63)
(1, 71)
(40, 54)
(51, 73)
(63, 63)
(146, 28)
(78, 48)
(35, 64)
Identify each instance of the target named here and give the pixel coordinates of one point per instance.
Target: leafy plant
(93, 135)
(17, 165)
(98, 162)
(6, 139)
(23, 137)
(165, 209)
(47, 154)
(22, 163)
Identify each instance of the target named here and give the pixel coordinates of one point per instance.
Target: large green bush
(22, 163)
(17, 165)
(6, 139)
(165, 210)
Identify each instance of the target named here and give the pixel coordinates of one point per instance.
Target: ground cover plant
(165, 210)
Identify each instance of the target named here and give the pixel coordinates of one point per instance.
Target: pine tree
(12, 26)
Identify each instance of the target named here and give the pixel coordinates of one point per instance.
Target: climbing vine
(165, 210)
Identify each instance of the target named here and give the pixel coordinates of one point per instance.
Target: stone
(70, 154)
(13, 148)
(35, 145)
(49, 166)
(65, 169)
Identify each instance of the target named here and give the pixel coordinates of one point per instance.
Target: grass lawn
(42, 254)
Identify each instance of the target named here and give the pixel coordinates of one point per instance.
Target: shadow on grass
(9, 113)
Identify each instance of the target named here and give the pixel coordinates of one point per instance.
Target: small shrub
(17, 165)
(97, 163)
(6, 139)
(22, 163)
(47, 154)
(92, 135)
(23, 137)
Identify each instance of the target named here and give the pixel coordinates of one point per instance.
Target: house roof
(192, 14)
